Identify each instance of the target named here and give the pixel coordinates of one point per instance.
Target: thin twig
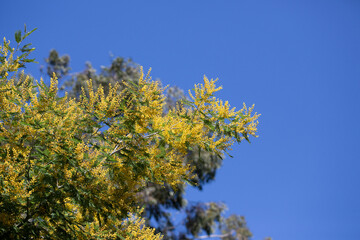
(116, 150)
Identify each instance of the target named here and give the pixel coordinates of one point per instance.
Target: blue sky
(297, 61)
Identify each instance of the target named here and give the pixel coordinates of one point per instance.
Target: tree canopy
(82, 166)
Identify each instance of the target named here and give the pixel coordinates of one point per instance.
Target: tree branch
(214, 236)
(116, 149)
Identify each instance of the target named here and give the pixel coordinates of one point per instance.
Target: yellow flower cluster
(10, 64)
(136, 229)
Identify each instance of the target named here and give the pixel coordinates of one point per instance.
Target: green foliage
(235, 225)
(57, 65)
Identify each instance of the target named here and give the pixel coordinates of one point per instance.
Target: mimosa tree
(73, 169)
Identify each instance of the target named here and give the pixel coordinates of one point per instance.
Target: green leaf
(246, 137)
(25, 49)
(209, 124)
(237, 136)
(29, 60)
(27, 34)
(219, 156)
(26, 45)
(18, 36)
(228, 154)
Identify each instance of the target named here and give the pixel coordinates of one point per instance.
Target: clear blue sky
(298, 61)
